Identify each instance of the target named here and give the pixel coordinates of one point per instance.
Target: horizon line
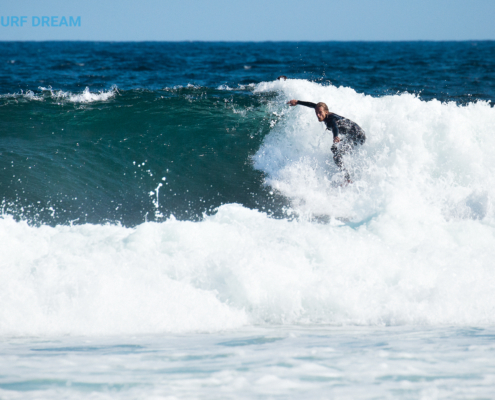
(252, 41)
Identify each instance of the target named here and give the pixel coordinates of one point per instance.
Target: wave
(410, 242)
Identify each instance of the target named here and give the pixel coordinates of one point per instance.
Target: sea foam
(439, 155)
(86, 96)
(241, 267)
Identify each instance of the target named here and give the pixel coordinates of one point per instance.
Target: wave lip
(28, 95)
(85, 97)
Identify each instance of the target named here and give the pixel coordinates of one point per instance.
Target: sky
(242, 20)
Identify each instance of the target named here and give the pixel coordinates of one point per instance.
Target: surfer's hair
(322, 105)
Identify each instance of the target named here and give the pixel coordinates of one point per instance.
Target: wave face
(207, 207)
(130, 156)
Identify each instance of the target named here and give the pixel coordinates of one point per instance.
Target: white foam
(28, 95)
(239, 87)
(240, 267)
(439, 153)
(101, 280)
(85, 97)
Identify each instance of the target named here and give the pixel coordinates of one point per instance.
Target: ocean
(171, 229)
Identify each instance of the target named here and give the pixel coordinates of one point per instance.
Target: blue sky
(254, 20)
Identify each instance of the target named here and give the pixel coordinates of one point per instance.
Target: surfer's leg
(337, 156)
(338, 152)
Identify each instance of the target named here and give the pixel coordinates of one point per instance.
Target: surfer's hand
(293, 103)
(336, 139)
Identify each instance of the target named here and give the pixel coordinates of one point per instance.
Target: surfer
(352, 133)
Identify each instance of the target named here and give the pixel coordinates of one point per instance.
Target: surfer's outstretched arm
(302, 103)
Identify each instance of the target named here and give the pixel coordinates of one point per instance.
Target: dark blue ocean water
(159, 113)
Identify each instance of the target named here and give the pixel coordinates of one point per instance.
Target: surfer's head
(321, 111)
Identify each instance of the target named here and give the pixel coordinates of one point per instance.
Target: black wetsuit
(352, 132)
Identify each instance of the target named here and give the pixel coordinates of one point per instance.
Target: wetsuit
(352, 132)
